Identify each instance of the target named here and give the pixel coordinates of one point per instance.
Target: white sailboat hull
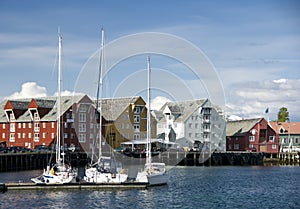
(92, 175)
(158, 179)
(155, 174)
(59, 177)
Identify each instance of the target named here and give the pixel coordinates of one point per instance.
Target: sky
(254, 47)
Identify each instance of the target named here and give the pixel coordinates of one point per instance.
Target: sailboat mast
(58, 98)
(100, 91)
(148, 154)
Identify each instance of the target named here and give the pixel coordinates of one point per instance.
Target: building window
(190, 134)
(82, 117)
(72, 136)
(196, 125)
(82, 138)
(83, 108)
(24, 125)
(3, 125)
(37, 127)
(82, 127)
(29, 135)
(236, 146)
(65, 125)
(12, 137)
(136, 110)
(122, 125)
(36, 137)
(44, 125)
(29, 125)
(3, 135)
(271, 138)
(11, 117)
(136, 119)
(296, 140)
(197, 135)
(251, 138)
(136, 128)
(65, 135)
(19, 135)
(36, 116)
(23, 135)
(274, 146)
(136, 136)
(251, 146)
(44, 135)
(52, 124)
(12, 127)
(190, 125)
(52, 135)
(19, 125)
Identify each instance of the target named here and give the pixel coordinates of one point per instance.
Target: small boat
(106, 169)
(60, 172)
(154, 173)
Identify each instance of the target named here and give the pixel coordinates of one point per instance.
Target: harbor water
(188, 187)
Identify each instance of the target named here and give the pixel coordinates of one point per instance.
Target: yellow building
(126, 119)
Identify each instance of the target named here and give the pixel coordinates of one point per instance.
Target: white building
(192, 122)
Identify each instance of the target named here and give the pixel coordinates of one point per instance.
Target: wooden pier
(72, 186)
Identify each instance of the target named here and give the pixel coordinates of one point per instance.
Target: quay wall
(32, 160)
(35, 160)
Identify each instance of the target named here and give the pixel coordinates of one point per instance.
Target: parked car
(41, 148)
(3, 149)
(15, 149)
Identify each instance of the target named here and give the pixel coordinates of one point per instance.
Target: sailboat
(59, 173)
(154, 173)
(105, 170)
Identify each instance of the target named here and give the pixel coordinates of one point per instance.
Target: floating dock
(72, 186)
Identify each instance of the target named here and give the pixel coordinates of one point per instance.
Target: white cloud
(251, 99)
(29, 90)
(158, 102)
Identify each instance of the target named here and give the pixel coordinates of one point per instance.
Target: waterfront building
(31, 122)
(126, 120)
(192, 124)
(288, 134)
(251, 135)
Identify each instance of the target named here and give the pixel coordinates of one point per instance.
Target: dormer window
(11, 117)
(36, 116)
(281, 130)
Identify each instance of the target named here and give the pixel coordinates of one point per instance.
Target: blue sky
(254, 45)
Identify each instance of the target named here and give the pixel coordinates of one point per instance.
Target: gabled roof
(292, 127)
(112, 108)
(182, 110)
(66, 103)
(44, 103)
(241, 127)
(21, 104)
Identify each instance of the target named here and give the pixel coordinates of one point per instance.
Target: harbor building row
(195, 124)
(31, 122)
(260, 135)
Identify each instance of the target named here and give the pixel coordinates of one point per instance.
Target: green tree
(283, 114)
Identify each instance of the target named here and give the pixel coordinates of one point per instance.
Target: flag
(267, 110)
